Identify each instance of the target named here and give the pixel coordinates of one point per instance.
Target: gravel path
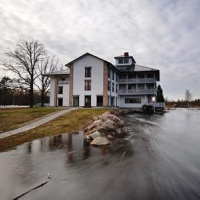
(36, 123)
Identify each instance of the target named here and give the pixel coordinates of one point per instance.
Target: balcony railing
(137, 91)
(138, 80)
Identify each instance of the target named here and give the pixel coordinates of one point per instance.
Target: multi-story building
(93, 81)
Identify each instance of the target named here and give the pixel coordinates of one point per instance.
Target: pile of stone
(104, 128)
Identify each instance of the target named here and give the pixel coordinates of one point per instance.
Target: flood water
(160, 159)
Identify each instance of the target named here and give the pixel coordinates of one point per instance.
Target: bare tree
(47, 65)
(188, 96)
(23, 62)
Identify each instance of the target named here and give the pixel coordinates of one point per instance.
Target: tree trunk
(42, 98)
(31, 93)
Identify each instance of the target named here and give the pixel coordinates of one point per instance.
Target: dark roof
(87, 54)
(55, 73)
(140, 68)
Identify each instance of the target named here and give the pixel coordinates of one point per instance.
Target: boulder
(98, 141)
(109, 124)
(97, 123)
(110, 137)
(104, 125)
(95, 134)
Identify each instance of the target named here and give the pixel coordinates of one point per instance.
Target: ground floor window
(132, 100)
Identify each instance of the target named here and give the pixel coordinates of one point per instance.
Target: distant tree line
(29, 61)
(185, 103)
(11, 93)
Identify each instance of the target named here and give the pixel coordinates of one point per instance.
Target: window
(150, 75)
(131, 86)
(108, 85)
(141, 86)
(120, 61)
(113, 87)
(60, 90)
(132, 76)
(116, 88)
(88, 72)
(113, 75)
(87, 85)
(132, 100)
(125, 60)
(108, 73)
(117, 77)
(141, 75)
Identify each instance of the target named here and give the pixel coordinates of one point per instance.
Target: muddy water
(160, 159)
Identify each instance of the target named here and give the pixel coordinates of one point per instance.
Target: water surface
(160, 159)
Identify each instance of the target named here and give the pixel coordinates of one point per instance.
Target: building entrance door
(76, 101)
(99, 100)
(87, 101)
(60, 101)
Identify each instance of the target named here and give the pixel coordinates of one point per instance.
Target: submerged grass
(11, 118)
(72, 121)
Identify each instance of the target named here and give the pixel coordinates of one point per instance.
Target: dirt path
(36, 123)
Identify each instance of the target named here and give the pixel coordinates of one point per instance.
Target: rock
(98, 141)
(90, 127)
(97, 123)
(110, 137)
(109, 124)
(88, 137)
(95, 118)
(104, 125)
(95, 134)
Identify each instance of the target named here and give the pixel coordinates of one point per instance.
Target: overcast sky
(162, 34)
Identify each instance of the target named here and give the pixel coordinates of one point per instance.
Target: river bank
(68, 123)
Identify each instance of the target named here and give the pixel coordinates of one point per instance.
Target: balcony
(136, 91)
(138, 80)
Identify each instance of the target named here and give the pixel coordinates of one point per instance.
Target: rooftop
(61, 72)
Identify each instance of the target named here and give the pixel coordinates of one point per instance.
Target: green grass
(11, 118)
(72, 121)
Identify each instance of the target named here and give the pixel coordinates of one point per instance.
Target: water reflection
(86, 149)
(55, 142)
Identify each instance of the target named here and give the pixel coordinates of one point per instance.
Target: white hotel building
(91, 81)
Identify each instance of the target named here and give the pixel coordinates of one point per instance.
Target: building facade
(91, 81)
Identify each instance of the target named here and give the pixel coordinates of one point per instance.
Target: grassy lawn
(73, 121)
(11, 118)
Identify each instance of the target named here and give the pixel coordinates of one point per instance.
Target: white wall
(96, 79)
(54, 95)
(122, 103)
(65, 95)
(52, 91)
(111, 93)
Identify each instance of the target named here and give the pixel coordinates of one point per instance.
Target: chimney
(126, 54)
